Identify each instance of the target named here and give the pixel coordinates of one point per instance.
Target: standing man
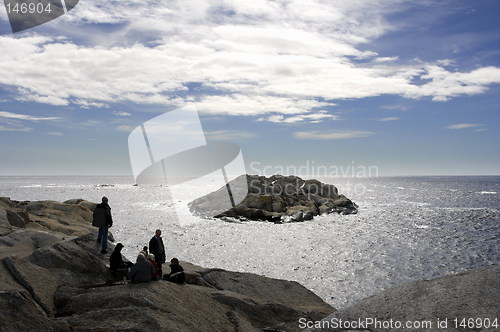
(103, 220)
(157, 248)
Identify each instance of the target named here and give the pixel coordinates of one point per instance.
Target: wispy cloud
(121, 113)
(395, 107)
(318, 135)
(386, 59)
(459, 126)
(387, 119)
(315, 117)
(87, 104)
(10, 115)
(125, 128)
(55, 133)
(228, 135)
(20, 129)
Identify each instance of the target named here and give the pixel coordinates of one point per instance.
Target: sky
(347, 87)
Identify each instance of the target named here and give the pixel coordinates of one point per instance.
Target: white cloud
(239, 104)
(280, 57)
(386, 59)
(446, 62)
(315, 117)
(10, 115)
(459, 126)
(55, 133)
(334, 135)
(87, 104)
(390, 118)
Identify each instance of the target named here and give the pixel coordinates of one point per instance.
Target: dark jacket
(116, 261)
(157, 248)
(176, 274)
(102, 216)
(141, 271)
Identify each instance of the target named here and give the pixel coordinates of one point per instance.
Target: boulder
(19, 313)
(86, 204)
(472, 294)
(5, 226)
(27, 226)
(282, 293)
(23, 242)
(275, 198)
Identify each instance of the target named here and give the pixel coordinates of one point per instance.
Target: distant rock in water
(277, 198)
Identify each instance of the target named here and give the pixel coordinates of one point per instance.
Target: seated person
(144, 251)
(118, 267)
(151, 258)
(176, 272)
(142, 270)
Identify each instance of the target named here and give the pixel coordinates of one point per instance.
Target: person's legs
(159, 271)
(99, 235)
(103, 235)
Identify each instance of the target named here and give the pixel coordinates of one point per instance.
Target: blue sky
(410, 87)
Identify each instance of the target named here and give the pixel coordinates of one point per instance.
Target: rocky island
(277, 198)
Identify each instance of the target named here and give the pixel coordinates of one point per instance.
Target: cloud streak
(228, 135)
(387, 119)
(10, 115)
(19, 129)
(335, 135)
(460, 126)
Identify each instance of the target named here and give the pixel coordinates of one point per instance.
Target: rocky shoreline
(53, 278)
(277, 199)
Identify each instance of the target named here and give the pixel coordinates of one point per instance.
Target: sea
(407, 228)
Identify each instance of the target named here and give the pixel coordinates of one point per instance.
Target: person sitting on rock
(151, 258)
(118, 267)
(144, 251)
(141, 271)
(176, 272)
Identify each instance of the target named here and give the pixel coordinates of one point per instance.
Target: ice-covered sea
(407, 228)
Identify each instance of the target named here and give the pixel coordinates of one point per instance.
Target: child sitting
(151, 258)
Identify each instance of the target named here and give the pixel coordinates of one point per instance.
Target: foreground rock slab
(448, 300)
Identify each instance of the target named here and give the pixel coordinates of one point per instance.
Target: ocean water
(407, 228)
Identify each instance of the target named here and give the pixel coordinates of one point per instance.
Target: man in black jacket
(157, 248)
(103, 220)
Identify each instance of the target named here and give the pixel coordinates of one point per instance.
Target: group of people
(150, 260)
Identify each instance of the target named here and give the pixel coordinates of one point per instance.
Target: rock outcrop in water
(53, 278)
(277, 198)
